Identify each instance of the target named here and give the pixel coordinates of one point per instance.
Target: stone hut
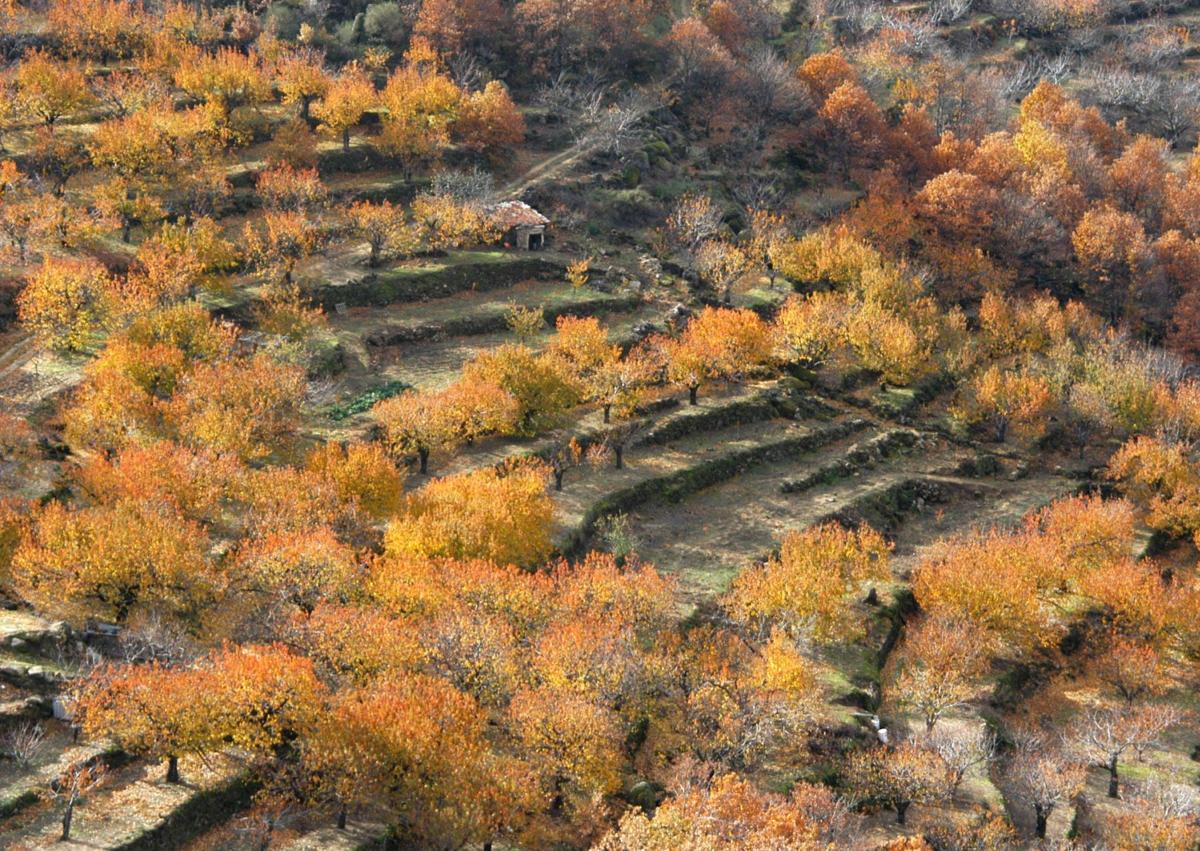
(523, 226)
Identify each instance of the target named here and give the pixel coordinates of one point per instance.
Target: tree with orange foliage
(489, 122)
(574, 745)
(937, 667)
(278, 241)
(457, 26)
(457, 517)
(225, 80)
(416, 745)
(898, 777)
(825, 72)
(384, 227)
(718, 344)
(417, 422)
(540, 383)
(728, 813)
(445, 222)
(65, 302)
(293, 570)
(421, 104)
(804, 590)
(1139, 178)
(1003, 398)
(249, 407)
(807, 330)
(1110, 247)
(104, 561)
(349, 96)
(152, 711)
(1135, 670)
(302, 79)
(853, 125)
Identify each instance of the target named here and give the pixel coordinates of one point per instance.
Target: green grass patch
(367, 400)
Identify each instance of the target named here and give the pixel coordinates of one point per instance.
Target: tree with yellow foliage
(718, 344)
(1005, 398)
(805, 590)
(65, 302)
(344, 103)
(501, 515)
(540, 383)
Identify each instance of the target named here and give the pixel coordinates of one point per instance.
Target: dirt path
(549, 168)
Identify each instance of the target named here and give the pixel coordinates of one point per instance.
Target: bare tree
(23, 742)
(75, 782)
(620, 126)
(1043, 777)
(962, 750)
(942, 12)
(1104, 736)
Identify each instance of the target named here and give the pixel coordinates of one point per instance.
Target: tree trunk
(68, 814)
(341, 819)
(902, 812)
(558, 477)
(172, 769)
(423, 454)
(1113, 789)
(126, 227)
(607, 413)
(1042, 815)
(346, 140)
(693, 392)
(620, 460)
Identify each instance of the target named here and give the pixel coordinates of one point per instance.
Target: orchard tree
(1044, 778)
(105, 561)
(363, 475)
(1004, 398)
(155, 712)
(539, 383)
(722, 265)
(501, 515)
(898, 777)
(718, 344)
(1107, 734)
(78, 780)
(48, 90)
(349, 96)
(278, 241)
(65, 302)
(421, 103)
(700, 810)
(489, 122)
(250, 408)
(937, 667)
(302, 79)
(804, 590)
(415, 745)
(809, 329)
(417, 422)
(384, 227)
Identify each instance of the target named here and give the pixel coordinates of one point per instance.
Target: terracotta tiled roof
(511, 214)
